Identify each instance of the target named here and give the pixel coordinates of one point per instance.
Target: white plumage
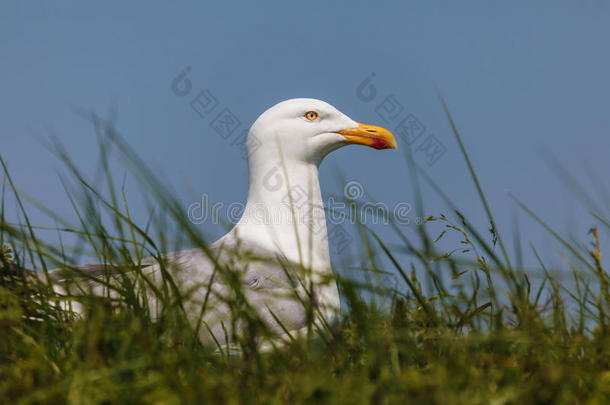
(279, 247)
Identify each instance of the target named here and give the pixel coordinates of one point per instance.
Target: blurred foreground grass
(484, 334)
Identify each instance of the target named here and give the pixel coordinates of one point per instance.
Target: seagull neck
(270, 181)
(285, 211)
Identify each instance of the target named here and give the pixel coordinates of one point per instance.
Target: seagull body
(279, 247)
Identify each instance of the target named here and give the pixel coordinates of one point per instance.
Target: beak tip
(370, 135)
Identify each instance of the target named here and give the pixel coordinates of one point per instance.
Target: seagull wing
(208, 281)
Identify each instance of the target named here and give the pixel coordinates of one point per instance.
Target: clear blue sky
(521, 78)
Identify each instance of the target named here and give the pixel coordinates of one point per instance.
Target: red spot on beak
(380, 144)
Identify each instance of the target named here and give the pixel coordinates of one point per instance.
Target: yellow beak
(370, 135)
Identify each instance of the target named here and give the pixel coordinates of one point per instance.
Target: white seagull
(279, 248)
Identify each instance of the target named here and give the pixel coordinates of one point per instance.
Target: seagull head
(307, 130)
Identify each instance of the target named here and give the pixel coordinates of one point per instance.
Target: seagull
(278, 250)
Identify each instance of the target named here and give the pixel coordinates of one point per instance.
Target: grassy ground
(487, 334)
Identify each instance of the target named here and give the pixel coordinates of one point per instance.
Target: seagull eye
(311, 115)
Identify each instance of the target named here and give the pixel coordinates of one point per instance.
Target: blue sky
(521, 79)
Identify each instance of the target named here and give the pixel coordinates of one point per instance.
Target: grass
(485, 334)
